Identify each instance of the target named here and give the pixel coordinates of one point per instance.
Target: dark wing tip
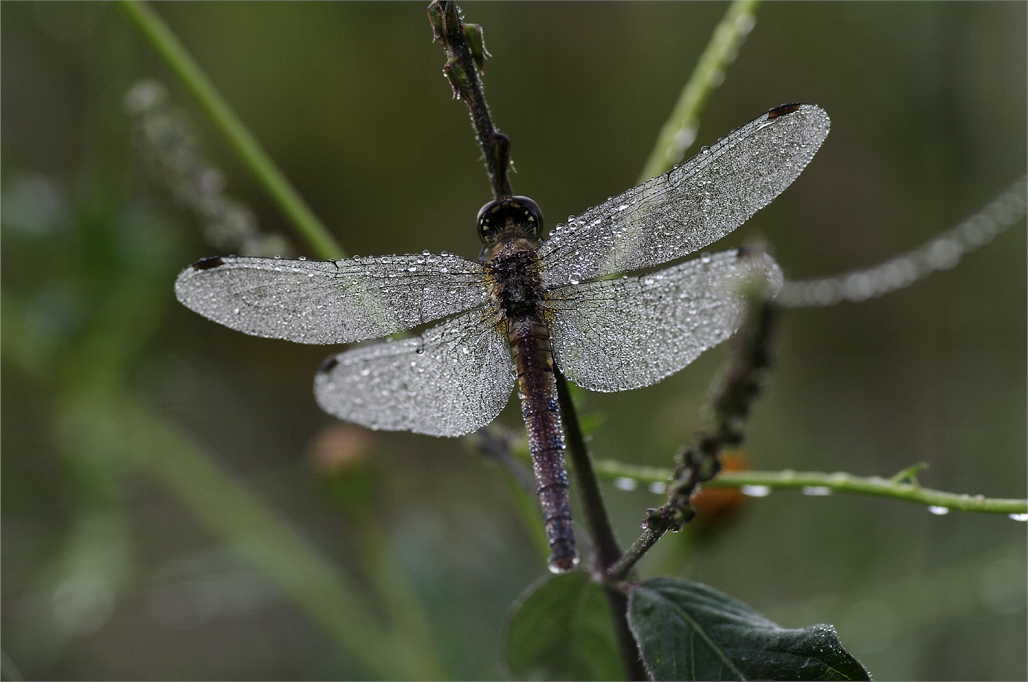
(208, 263)
(328, 365)
(783, 110)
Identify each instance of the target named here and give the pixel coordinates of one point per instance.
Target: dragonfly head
(519, 215)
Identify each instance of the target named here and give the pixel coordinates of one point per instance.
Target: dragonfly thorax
(515, 277)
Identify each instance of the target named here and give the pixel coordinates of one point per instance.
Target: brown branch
(466, 53)
(596, 520)
(697, 462)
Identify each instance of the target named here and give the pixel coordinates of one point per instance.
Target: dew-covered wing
(331, 301)
(451, 380)
(691, 205)
(617, 334)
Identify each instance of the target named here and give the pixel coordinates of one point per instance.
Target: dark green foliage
(688, 631)
(561, 630)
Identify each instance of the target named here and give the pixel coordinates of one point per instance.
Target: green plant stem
(239, 137)
(654, 531)
(497, 443)
(837, 482)
(679, 131)
(597, 522)
(617, 602)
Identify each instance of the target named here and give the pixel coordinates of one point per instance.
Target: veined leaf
(688, 631)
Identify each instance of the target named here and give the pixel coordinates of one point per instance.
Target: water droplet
(658, 487)
(558, 565)
(817, 490)
(625, 483)
(938, 511)
(1019, 517)
(303, 258)
(755, 490)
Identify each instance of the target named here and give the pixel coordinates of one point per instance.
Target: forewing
(330, 301)
(613, 335)
(451, 380)
(691, 205)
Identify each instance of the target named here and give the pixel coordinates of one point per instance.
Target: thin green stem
(654, 531)
(496, 443)
(617, 602)
(901, 489)
(679, 131)
(239, 137)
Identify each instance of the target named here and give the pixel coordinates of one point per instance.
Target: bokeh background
(145, 449)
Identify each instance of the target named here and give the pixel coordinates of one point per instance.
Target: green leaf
(562, 630)
(688, 631)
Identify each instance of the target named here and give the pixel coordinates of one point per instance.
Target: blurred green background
(146, 449)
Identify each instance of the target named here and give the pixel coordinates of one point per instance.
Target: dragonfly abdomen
(530, 346)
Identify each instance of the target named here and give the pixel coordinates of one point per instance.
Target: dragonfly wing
(451, 380)
(691, 205)
(613, 335)
(330, 301)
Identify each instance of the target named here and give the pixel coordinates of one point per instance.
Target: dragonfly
(585, 300)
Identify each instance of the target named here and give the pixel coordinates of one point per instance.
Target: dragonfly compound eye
(521, 212)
